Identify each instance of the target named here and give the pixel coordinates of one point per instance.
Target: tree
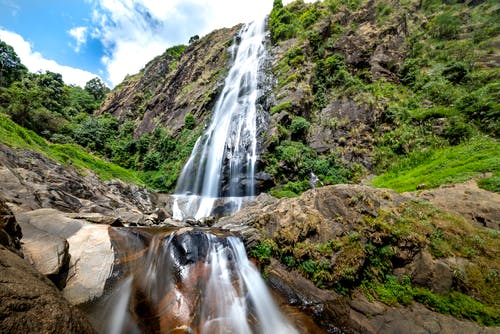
(11, 69)
(193, 39)
(97, 88)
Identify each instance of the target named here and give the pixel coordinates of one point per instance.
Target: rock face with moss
(358, 242)
(351, 88)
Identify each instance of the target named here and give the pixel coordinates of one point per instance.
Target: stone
(478, 206)
(31, 304)
(91, 255)
(91, 263)
(48, 253)
(10, 231)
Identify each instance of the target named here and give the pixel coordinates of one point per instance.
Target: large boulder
(75, 254)
(30, 303)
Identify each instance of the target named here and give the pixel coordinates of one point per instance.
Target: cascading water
(226, 153)
(190, 282)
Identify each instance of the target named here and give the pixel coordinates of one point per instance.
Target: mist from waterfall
(222, 163)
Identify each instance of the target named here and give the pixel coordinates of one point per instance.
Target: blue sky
(82, 39)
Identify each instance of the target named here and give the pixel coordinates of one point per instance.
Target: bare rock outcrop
(31, 181)
(477, 205)
(10, 231)
(189, 85)
(29, 302)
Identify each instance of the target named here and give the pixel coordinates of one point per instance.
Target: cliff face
(173, 85)
(351, 88)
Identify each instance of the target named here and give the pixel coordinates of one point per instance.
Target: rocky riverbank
(327, 252)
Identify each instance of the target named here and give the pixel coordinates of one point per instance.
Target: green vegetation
(439, 106)
(63, 114)
(445, 165)
(395, 292)
(67, 154)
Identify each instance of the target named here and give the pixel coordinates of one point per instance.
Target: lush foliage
(11, 68)
(67, 154)
(445, 165)
(401, 292)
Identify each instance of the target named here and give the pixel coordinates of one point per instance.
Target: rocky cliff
(351, 87)
(349, 239)
(182, 81)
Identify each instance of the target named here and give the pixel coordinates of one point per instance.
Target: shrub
(152, 161)
(189, 121)
(445, 26)
(262, 252)
(299, 128)
(455, 71)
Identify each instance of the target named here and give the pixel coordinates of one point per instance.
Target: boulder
(54, 237)
(31, 304)
(48, 253)
(478, 206)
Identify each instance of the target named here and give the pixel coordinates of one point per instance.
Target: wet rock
(31, 303)
(323, 305)
(263, 181)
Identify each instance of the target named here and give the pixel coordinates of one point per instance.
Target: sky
(82, 39)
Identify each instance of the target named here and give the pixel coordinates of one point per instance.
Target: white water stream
(226, 153)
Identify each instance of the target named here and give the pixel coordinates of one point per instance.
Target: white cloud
(80, 35)
(134, 32)
(35, 61)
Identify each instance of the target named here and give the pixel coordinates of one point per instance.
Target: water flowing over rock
(186, 281)
(222, 163)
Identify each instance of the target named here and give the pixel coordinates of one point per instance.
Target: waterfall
(222, 163)
(191, 282)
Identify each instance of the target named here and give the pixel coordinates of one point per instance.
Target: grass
(14, 135)
(436, 167)
(394, 292)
